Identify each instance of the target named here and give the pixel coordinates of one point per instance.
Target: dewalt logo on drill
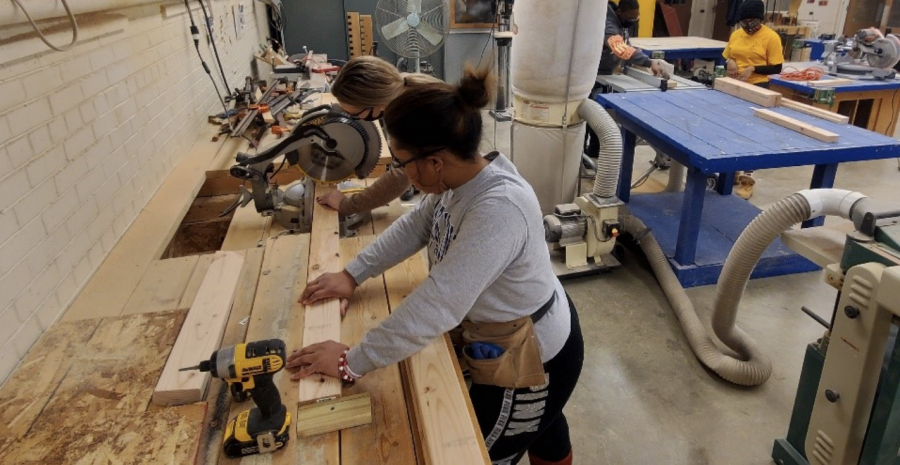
(251, 370)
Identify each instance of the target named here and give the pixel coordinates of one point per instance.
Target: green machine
(847, 408)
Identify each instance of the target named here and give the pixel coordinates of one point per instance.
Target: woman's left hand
(322, 357)
(746, 73)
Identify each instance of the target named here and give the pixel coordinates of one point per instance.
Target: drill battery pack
(241, 440)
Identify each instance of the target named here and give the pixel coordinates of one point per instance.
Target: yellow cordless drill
(248, 369)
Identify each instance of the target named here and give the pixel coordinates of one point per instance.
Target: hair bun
(477, 86)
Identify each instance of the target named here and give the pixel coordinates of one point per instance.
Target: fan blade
(395, 28)
(430, 33)
(414, 6)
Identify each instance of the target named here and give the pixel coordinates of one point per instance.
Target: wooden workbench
(82, 394)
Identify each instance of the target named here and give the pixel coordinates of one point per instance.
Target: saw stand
(503, 36)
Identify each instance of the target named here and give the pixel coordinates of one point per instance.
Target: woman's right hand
(329, 286)
(332, 199)
(732, 69)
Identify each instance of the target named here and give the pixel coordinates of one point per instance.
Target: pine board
(388, 439)
(796, 125)
(322, 320)
(201, 334)
(749, 92)
(190, 292)
(218, 397)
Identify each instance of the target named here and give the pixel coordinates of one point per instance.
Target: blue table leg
(691, 211)
(725, 183)
(823, 178)
(629, 140)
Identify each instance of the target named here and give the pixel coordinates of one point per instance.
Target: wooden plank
(201, 333)
(758, 95)
(162, 286)
(278, 314)
(822, 246)
(219, 397)
(344, 413)
(246, 229)
(190, 292)
(828, 82)
(813, 111)
(796, 125)
(112, 285)
(366, 34)
(448, 432)
(389, 438)
(353, 40)
(322, 320)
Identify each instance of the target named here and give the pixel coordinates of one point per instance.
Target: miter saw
(869, 53)
(327, 145)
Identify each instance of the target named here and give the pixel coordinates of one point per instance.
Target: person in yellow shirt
(753, 52)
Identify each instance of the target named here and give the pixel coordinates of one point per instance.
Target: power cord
(195, 34)
(61, 48)
(215, 49)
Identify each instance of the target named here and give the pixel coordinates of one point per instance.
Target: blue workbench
(711, 132)
(856, 86)
(682, 48)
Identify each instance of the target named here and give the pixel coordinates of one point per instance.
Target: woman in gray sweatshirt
(482, 226)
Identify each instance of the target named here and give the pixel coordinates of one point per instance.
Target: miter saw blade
(890, 52)
(356, 152)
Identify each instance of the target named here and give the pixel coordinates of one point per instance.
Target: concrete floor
(643, 397)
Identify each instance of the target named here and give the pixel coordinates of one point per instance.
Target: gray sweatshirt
(489, 263)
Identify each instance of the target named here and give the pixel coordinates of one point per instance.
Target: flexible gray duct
(676, 177)
(610, 137)
(752, 367)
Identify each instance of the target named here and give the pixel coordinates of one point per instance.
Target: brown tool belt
(519, 365)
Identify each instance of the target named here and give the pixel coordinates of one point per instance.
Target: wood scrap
(827, 82)
(813, 111)
(796, 125)
(322, 320)
(347, 412)
(201, 333)
(763, 97)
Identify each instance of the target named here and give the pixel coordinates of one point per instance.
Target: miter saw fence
(327, 145)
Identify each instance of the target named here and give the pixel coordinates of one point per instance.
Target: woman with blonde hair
(363, 88)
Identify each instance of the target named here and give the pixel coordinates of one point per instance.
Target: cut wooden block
(322, 320)
(162, 286)
(813, 111)
(796, 125)
(201, 333)
(828, 82)
(325, 417)
(749, 92)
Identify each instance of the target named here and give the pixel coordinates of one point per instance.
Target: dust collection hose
(610, 137)
(752, 367)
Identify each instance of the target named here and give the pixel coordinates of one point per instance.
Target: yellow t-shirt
(760, 49)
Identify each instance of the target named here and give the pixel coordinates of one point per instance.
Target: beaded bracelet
(347, 375)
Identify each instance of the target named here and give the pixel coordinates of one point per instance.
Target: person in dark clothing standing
(616, 48)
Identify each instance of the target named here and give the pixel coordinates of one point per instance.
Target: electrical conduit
(752, 367)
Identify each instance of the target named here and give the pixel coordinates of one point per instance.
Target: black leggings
(514, 421)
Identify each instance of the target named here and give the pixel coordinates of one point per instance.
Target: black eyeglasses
(371, 117)
(395, 163)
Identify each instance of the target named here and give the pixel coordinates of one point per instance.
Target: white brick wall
(86, 138)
